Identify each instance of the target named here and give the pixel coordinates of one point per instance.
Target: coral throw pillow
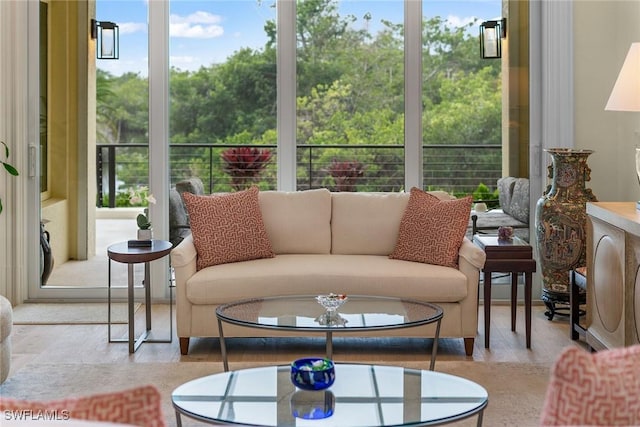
(431, 229)
(227, 228)
(140, 406)
(597, 389)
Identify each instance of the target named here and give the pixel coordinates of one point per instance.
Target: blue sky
(206, 32)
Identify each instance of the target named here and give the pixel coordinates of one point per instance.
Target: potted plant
(9, 168)
(141, 197)
(245, 165)
(346, 174)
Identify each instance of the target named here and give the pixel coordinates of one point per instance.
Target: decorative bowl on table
(331, 302)
(313, 373)
(312, 405)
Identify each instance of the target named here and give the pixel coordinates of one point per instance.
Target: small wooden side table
(122, 252)
(514, 256)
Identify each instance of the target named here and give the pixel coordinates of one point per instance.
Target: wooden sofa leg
(184, 345)
(468, 346)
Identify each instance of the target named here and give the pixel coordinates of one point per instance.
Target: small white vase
(480, 207)
(146, 234)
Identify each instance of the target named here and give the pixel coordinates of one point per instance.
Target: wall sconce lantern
(491, 35)
(107, 35)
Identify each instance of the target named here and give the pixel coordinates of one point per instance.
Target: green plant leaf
(143, 222)
(6, 149)
(0, 206)
(13, 171)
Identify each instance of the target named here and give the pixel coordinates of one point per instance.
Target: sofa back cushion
(514, 197)
(297, 222)
(368, 223)
(519, 208)
(505, 192)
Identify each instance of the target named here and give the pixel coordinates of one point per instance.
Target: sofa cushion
(315, 274)
(297, 221)
(227, 228)
(519, 208)
(505, 192)
(431, 230)
(366, 223)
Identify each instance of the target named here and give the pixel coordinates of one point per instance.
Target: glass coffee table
(305, 314)
(362, 395)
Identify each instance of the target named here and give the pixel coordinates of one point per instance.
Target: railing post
(112, 175)
(310, 168)
(210, 169)
(99, 173)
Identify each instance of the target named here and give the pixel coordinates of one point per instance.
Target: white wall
(603, 31)
(13, 112)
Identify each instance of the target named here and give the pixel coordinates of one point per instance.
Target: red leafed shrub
(346, 173)
(244, 165)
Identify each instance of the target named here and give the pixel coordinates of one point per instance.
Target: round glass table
(362, 395)
(303, 313)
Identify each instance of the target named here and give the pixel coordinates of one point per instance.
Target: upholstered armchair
(139, 406)
(179, 226)
(6, 323)
(595, 389)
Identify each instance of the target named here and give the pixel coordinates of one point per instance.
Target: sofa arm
(472, 254)
(183, 261)
(184, 254)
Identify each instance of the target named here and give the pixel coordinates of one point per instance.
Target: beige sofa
(328, 242)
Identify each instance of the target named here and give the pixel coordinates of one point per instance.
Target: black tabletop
(124, 253)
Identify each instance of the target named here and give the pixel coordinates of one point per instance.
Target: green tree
(350, 91)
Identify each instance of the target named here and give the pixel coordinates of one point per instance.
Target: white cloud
(198, 25)
(458, 21)
(196, 18)
(132, 27)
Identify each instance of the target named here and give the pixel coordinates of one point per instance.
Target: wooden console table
(613, 279)
(515, 256)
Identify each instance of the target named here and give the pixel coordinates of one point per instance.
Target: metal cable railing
(458, 169)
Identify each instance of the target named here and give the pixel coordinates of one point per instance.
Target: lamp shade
(625, 95)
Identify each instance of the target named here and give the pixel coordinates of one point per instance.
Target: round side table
(125, 253)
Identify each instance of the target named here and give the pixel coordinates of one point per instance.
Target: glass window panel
(462, 115)
(223, 93)
(350, 95)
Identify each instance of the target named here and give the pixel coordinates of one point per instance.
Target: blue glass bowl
(312, 373)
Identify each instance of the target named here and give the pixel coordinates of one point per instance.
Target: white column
(413, 94)
(286, 89)
(159, 135)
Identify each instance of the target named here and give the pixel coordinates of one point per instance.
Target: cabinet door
(605, 284)
(632, 291)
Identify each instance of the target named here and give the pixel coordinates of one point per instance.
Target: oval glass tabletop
(362, 395)
(304, 312)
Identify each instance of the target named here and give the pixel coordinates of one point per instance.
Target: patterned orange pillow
(431, 230)
(227, 228)
(140, 406)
